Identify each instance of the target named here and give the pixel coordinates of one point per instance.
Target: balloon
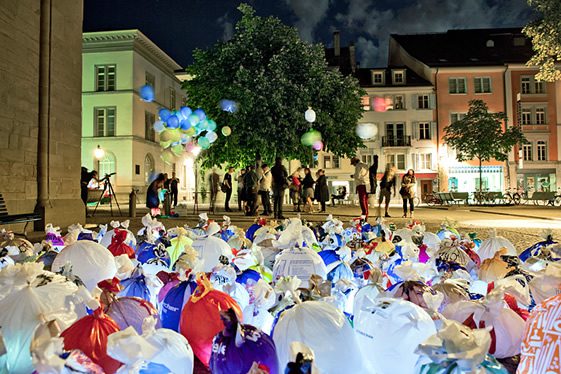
(211, 125)
(366, 130)
(185, 111)
(229, 106)
(326, 331)
(168, 157)
(310, 137)
(90, 261)
(147, 93)
(203, 142)
(130, 311)
(200, 113)
(380, 104)
(177, 149)
(226, 131)
(173, 304)
(310, 115)
(194, 119)
(185, 124)
(238, 346)
(205, 305)
(159, 126)
(89, 335)
(318, 145)
(164, 114)
(203, 125)
(211, 136)
(389, 331)
(173, 122)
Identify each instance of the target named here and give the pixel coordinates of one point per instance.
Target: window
(377, 78)
(365, 102)
(148, 168)
(424, 161)
(151, 80)
(330, 162)
(424, 131)
(423, 102)
(397, 160)
(527, 151)
(398, 77)
(457, 85)
(172, 98)
(482, 84)
(542, 150)
(398, 102)
(149, 132)
(367, 156)
(106, 165)
(454, 117)
(105, 121)
(105, 77)
(526, 116)
(529, 85)
(540, 116)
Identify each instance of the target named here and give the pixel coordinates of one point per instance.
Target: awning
(535, 171)
(475, 170)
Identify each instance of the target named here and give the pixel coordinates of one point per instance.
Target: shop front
(466, 178)
(537, 180)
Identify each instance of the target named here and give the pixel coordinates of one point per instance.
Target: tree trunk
(480, 180)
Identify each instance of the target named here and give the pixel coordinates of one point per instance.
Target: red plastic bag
(89, 335)
(118, 246)
(200, 319)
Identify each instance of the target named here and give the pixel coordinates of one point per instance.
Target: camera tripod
(107, 186)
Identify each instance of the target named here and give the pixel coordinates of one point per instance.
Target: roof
(412, 79)
(470, 47)
(345, 61)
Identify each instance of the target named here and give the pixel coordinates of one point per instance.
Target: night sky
(179, 26)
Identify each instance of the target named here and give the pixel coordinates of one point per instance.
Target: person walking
(387, 183)
(174, 182)
(279, 185)
(227, 188)
(265, 185)
(296, 190)
(251, 185)
(308, 190)
(152, 195)
(241, 197)
(213, 182)
(360, 177)
(321, 193)
(407, 192)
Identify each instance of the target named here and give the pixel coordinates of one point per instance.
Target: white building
(115, 65)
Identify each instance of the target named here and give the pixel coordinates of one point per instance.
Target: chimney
(352, 55)
(336, 43)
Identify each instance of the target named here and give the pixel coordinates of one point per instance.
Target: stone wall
(20, 66)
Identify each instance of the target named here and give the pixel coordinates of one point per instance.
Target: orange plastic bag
(200, 319)
(89, 335)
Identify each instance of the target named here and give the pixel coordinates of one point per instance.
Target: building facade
(114, 118)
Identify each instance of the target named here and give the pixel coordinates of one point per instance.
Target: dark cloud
(309, 14)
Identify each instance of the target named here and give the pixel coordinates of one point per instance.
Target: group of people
(304, 189)
(165, 184)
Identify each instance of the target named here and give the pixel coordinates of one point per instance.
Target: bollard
(132, 203)
(167, 204)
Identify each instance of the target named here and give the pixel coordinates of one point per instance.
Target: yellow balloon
(167, 156)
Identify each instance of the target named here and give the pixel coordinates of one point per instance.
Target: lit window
(527, 151)
(330, 162)
(539, 87)
(425, 161)
(398, 102)
(424, 131)
(482, 84)
(457, 85)
(105, 121)
(149, 132)
(105, 77)
(365, 102)
(423, 102)
(542, 150)
(397, 160)
(106, 165)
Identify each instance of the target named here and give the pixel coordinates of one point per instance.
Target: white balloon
(366, 130)
(310, 115)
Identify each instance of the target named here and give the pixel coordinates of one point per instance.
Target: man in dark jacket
(250, 184)
(280, 183)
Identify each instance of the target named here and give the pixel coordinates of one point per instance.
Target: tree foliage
(545, 34)
(480, 135)
(274, 77)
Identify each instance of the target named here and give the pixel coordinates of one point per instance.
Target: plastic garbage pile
(278, 297)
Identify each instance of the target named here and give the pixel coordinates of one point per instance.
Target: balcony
(393, 141)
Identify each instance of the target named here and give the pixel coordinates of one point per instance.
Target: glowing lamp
(99, 153)
(310, 115)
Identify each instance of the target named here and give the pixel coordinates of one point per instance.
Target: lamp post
(99, 152)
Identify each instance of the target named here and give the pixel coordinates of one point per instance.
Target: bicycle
(556, 200)
(482, 197)
(432, 199)
(512, 197)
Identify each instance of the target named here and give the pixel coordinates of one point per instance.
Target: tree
(545, 34)
(274, 77)
(480, 135)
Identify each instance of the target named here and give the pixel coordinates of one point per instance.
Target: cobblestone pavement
(522, 225)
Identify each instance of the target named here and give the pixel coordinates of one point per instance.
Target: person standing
(387, 183)
(227, 188)
(213, 181)
(152, 195)
(308, 190)
(372, 171)
(250, 184)
(321, 193)
(265, 185)
(241, 197)
(407, 192)
(280, 183)
(296, 190)
(174, 182)
(360, 177)
(166, 181)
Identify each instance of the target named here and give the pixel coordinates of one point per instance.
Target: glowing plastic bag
(301, 263)
(541, 344)
(237, 347)
(546, 283)
(18, 248)
(210, 250)
(141, 286)
(388, 333)
(49, 358)
(130, 311)
(118, 246)
(90, 261)
(493, 244)
(537, 249)
(89, 334)
(494, 268)
(169, 280)
(173, 304)
(53, 237)
(257, 314)
(326, 330)
(204, 305)
(106, 239)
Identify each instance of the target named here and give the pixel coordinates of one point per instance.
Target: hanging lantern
(310, 115)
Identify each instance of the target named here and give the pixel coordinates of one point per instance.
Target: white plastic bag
(301, 263)
(494, 243)
(210, 249)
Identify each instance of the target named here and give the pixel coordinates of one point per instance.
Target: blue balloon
(200, 113)
(229, 106)
(185, 124)
(164, 114)
(173, 122)
(193, 119)
(159, 126)
(147, 93)
(211, 125)
(185, 111)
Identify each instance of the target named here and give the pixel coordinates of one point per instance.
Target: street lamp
(99, 153)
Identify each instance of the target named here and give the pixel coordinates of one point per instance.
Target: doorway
(426, 188)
